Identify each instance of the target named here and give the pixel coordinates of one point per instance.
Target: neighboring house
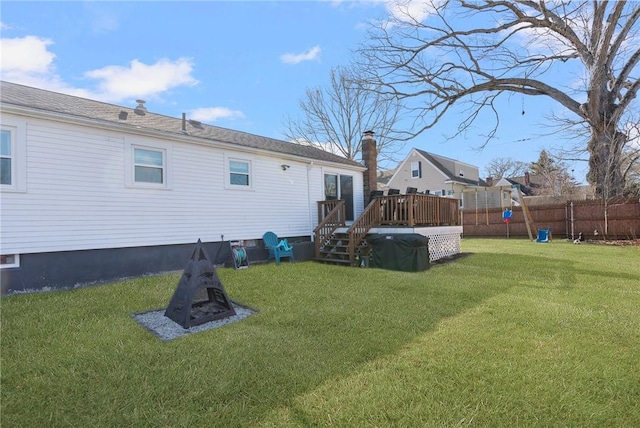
(383, 179)
(531, 185)
(92, 192)
(437, 175)
(510, 186)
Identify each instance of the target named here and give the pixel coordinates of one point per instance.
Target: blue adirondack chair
(278, 248)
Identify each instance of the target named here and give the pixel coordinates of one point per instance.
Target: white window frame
(324, 188)
(227, 172)
(15, 264)
(18, 156)
(130, 165)
(416, 167)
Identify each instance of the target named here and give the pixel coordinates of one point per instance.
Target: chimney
(527, 179)
(370, 159)
(489, 181)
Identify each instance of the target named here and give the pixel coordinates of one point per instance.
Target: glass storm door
(340, 187)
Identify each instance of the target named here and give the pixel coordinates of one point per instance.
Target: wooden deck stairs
(335, 250)
(336, 244)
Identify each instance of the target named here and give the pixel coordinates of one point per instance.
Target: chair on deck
(544, 235)
(393, 192)
(277, 248)
(375, 194)
(412, 190)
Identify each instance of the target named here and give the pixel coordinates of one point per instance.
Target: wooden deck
(412, 210)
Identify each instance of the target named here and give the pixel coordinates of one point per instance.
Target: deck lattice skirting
(444, 241)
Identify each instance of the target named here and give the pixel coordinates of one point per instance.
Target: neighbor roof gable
(434, 160)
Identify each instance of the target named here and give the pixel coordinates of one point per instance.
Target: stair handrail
(333, 220)
(369, 218)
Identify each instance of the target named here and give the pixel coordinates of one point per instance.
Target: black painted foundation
(72, 269)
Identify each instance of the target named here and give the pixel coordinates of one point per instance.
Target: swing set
(494, 197)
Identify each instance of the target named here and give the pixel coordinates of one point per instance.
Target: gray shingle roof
(452, 176)
(72, 106)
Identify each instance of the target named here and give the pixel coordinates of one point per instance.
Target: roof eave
(178, 136)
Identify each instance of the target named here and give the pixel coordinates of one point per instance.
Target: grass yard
(516, 334)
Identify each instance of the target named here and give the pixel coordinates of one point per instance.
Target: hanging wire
(522, 93)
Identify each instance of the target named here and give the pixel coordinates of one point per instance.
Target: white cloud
(411, 10)
(310, 55)
(28, 61)
(142, 80)
(211, 114)
(28, 54)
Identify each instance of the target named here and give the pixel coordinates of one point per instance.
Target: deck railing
(359, 229)
(331, 215)
(326, 207)
(395, 210)
(418, 210)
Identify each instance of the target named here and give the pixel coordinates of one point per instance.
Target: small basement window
(9, 261)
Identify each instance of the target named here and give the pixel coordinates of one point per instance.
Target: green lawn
(516, 334)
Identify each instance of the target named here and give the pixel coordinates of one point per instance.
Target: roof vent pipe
(140, 109)
(184, 123)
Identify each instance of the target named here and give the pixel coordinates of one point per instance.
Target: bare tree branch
(472, 52)
(334, 118)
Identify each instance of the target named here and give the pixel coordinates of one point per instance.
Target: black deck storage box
(407, 252)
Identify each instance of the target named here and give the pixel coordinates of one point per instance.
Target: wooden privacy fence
(621, 220)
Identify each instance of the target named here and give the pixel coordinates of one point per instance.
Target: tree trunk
(605, 150)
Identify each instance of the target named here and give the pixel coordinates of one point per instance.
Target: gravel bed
(166, 329)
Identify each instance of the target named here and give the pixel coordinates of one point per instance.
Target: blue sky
(236, 64)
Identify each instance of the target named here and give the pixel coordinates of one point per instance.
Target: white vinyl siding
(78, 196)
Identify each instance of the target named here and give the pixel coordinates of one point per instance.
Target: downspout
(309, 202)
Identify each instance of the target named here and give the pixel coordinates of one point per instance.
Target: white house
(435, 175)
(92, 192)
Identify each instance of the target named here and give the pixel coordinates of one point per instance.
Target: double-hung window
(7, 157)
(416, 170)
(239, 173)
(149, 166)
(13, 156)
